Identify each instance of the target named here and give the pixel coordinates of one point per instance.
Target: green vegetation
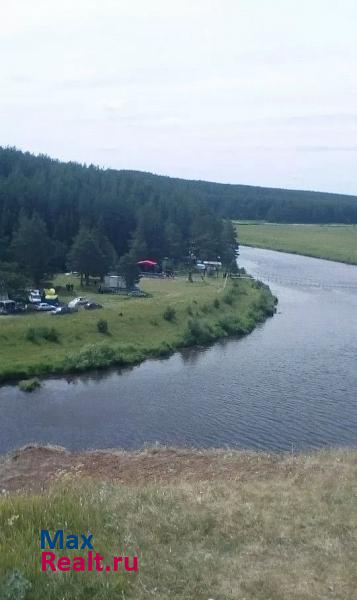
(102, 326)
(91, 253)
(63, 216)
(39, 343)
(333, 242)
(157, 213)
(29, 385)
(263, 527)
(169, 313)
(35, 334)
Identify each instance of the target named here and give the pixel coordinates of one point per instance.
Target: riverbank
(330, 242)
(217, 524)
(175, 314)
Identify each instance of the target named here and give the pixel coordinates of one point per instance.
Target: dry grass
(286, 531)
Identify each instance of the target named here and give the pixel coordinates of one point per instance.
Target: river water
(292, 383)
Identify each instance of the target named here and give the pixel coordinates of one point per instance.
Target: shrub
(92, 356)
(15, 587)
(228, 298)
(35, 334)
(102, 326)
(51, 335)
(29, 385)
(169, 314)
(260, 285)
(227, 325)
(30, 335)
(163, 350)
(205, 308)
(198, 332)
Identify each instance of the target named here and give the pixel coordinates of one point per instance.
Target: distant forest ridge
(248, 202)
(22, 172)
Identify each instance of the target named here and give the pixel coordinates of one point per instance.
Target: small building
(212, 266)
(114, 282)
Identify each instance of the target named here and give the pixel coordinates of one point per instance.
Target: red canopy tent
(148, 267)
(147, 263)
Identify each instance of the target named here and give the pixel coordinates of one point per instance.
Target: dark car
(7, 307)
(92, 305)
(20, 307)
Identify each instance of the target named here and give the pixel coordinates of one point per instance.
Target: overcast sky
(261, 92)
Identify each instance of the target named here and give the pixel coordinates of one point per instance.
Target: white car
(43, 306)
(80, 301)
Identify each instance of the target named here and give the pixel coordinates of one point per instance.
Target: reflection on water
(293, 381)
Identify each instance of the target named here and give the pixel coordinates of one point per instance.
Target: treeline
(56, 216)
(67, 211)
(246, 202)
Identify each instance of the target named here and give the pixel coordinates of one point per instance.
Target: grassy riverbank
(176, 314)
(332, 242)
(204, 524)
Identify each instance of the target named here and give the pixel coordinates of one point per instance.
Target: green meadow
(333, 242)
(176, 313)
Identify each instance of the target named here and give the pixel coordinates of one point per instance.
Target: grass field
(264, 527)
(202, 312)
(333, 242)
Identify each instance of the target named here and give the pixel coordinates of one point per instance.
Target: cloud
(326, 148)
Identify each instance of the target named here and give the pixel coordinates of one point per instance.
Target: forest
(56, 216)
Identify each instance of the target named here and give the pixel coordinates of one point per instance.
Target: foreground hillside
(332, 242)
(204, 524)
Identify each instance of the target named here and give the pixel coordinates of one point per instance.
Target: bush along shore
(176, 314)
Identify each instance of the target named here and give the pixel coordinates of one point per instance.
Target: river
(289, 385)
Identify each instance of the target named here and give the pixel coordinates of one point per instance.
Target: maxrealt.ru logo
(90, 561)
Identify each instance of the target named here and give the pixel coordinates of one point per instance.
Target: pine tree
(32, 247)
(91, 254)
(128, 267)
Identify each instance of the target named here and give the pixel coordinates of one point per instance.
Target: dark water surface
(293, 381)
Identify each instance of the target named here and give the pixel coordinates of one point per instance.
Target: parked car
(92, 305)
(61, 310)
(35, 297)
(43, 307)
(7, 307)
(80, 301)
(20, 307)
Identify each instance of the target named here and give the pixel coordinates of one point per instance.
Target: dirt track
(34, 467)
